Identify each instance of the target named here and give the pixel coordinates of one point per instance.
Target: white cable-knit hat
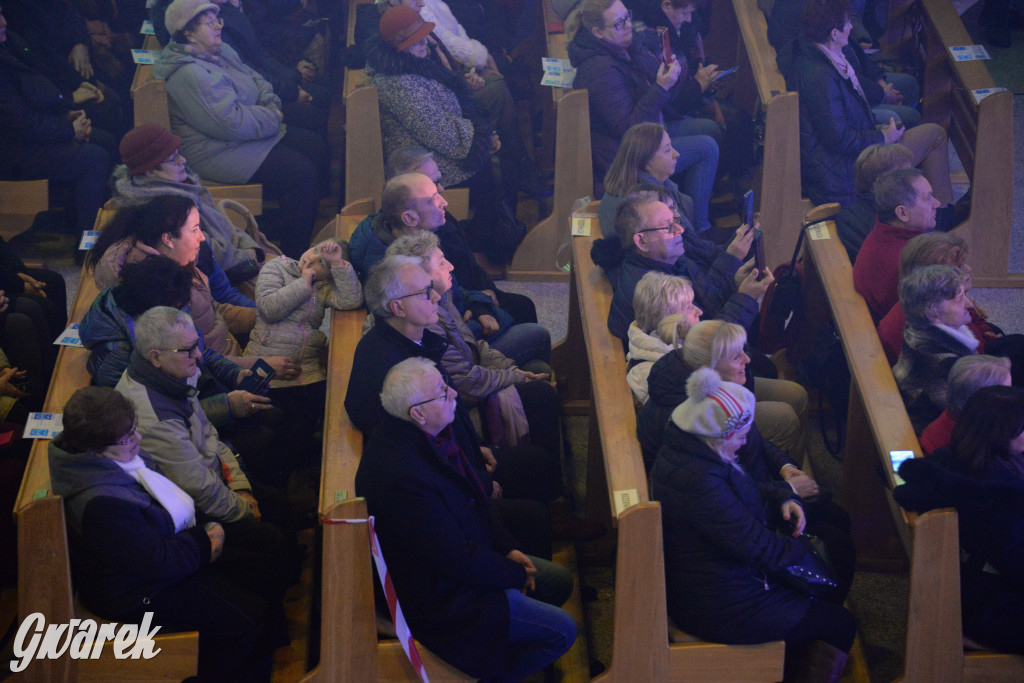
(713, 408)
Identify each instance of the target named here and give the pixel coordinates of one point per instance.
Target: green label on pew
(625, 498)
(340, 496)
(40, 493)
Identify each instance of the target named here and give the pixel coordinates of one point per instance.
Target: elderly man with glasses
(653, 241)
(467, 591)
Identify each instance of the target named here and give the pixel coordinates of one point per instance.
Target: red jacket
(876, 274)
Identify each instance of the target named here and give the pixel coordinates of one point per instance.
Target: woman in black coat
(836, 122)
(981, 473)
(722, 553)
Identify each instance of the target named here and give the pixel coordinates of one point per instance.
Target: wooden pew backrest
(364, 145)
(20, 201)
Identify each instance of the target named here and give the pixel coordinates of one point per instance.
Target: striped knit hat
(713, 408)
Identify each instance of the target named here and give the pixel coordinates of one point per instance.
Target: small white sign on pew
(557, 72)
(968, 53)
(70, 337)
(145, 56)
(43, 425)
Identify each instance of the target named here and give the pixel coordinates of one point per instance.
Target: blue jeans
(523, 343)
(694, 139)
(907, 113)
(539, 632)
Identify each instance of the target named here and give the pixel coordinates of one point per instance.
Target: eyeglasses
(188, 351)
(176, 159)
(425, 292)
(447, 394)
(670, 227)
(216, 22)
(130, 436)
(624, 21)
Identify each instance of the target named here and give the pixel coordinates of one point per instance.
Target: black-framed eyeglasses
(624, 21)
(127, 439)
(671, 226)
(188, 351)
(445, 395)
(425, 292)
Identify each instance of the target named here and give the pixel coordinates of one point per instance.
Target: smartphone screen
(759, 259)
(897, 458)
(728, 72)
(261, 375)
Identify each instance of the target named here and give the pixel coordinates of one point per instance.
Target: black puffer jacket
(836, 125)
(424, 104)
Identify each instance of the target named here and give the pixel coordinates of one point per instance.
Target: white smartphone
(897, 458)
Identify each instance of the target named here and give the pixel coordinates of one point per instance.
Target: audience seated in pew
(906, 208)
(966, 377)
(892, 95)
(836, 122)
(723, 555)
(169, 225)
(108, 331)
(626, 86)
(935, 336)
(517, 405)
(141, 551)
(231, 123)
(291, 299)
(855, 220)
(404, 304)
(178, 436)
(653, 241)
(720, 346)
(664, 307)
(735, 134)
(979, 474)
(466, 589)
(306, 102)
(411, 203)
(424, 103)
(936, 249)
(153, 166)
(48, 135)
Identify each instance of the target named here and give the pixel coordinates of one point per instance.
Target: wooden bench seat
(642, 649)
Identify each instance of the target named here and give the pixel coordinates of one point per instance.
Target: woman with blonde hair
(627, 85)
(659, 297)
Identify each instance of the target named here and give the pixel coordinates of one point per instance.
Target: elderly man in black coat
(466, 590)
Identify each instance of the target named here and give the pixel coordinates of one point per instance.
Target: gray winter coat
(226, 114)
(289, 313)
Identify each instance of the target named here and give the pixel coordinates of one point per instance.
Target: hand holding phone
(666, 46)
(259, 378)
(728, 72)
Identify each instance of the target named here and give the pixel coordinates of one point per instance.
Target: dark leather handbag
(814, 575)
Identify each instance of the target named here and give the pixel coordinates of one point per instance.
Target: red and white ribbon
(401, 628)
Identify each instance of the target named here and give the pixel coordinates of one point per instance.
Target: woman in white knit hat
(721, 549)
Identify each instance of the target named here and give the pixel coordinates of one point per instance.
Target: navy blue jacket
(444, 548)
(836, 125)
(719, 546)
(713, 290)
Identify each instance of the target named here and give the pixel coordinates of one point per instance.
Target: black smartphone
(759, 260)
(21, 381)
(259, 380)
(897, 458)
(728, 72)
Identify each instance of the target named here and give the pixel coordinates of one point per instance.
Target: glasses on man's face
(425, 292)
(624, 21)
(670, 227)
(216, 22)
(130, 436)
(447, 394)
(188, 350)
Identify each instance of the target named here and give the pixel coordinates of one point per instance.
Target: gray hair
(385, 284)
(657, 295)
(709, 341)
(403, 385)
(153, 327)
(878, 160)
(927, 287)
(419, 246)
(894, 189)
(672, 329)
(971, 373)
(406, 160)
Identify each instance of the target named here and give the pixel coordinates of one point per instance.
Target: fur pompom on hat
(713, 408)
(180, 12)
